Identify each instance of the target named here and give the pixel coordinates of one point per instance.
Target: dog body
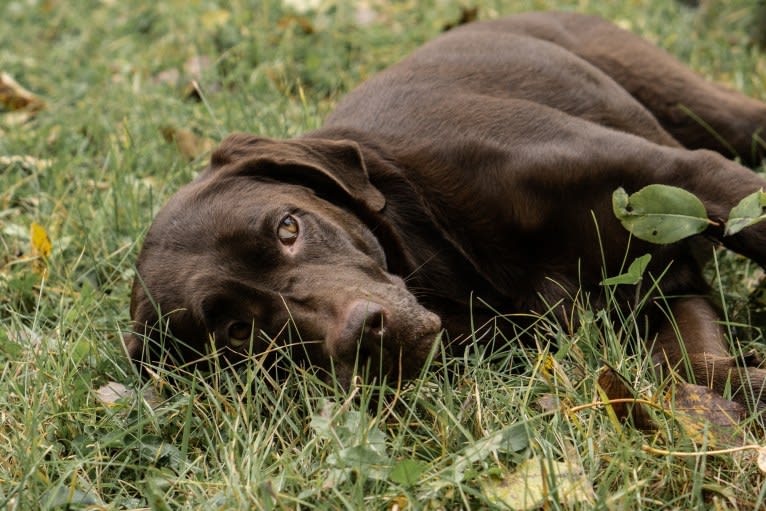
(475, 175)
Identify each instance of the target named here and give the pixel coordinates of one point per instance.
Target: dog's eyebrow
(227, 296)
(269, 218)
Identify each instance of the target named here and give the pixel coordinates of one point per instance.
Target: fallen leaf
(554, 373)
(625, 24)
(615, 386)
(549, 403)
(169, 77)
(112, 392)
(190, 145)
(62, 497)
(302, 6)
(537, 481)
(17, 118)
(467, 15)
(41, 243)
(512, 438)
(15, 97)
(762, 460)
(705, 416)
(27, 163)
(398, 503)
(195, 66)
(364, 14)
(300, 21)
(215, 18)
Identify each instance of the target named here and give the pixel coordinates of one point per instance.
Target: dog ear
(312, 161)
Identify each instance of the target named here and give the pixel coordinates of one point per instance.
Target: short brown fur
(480, 166)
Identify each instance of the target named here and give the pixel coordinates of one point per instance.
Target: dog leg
(678, 97)
(690, 341)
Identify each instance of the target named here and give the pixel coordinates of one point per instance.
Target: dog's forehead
(201, 211)
(183, 252)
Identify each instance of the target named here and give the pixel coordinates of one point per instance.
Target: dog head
(267, 250)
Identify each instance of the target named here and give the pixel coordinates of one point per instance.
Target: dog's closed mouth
(396, 344)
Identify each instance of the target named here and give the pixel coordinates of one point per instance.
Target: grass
(114, 75)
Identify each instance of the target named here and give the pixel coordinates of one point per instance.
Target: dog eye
(288, 230)
(239, 333)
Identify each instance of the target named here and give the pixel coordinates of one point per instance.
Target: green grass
(237, 439)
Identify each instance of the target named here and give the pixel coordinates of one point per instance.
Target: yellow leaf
(215, 18)
(705, 416)
(398, 503)
(28, 163)
(41, 243)
(536, 481)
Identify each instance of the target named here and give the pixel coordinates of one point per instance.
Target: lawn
(131, 96)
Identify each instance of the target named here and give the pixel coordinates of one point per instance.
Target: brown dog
(480, 166)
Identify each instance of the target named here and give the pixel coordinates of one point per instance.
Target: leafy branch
(666, 214)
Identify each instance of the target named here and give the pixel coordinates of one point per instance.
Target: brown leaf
(190, 145)
(705, 416)
(549, 403)
(169, 77)
(616, 387)
(15, 97)
(467, 15)
(301, 22)
(195, 66)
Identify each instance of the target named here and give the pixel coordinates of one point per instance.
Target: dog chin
(387, 367)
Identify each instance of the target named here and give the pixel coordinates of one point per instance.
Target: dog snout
(363, 328)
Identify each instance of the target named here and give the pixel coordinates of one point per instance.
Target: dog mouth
(385, 347)
(404, 363)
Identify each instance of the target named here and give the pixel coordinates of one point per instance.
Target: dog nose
(364, 326)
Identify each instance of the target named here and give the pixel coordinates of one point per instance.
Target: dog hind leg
(680, 99)
(690, 340)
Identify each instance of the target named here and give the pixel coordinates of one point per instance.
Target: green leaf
(749, 211)
(509, 439)
(634, 274)
(407, 472)
(660, 214)
(360, 456)
(80, 350)
(62, 497)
